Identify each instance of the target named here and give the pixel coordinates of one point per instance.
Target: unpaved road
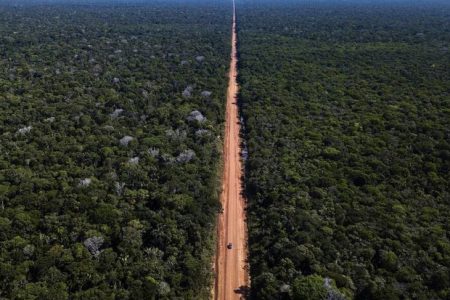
(231, 264)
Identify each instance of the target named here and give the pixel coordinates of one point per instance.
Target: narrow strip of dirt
(232, 278)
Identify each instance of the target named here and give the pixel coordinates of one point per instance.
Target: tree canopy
(350, 105)
(108, 187)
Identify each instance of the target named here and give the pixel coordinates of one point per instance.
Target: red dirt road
(231, 264)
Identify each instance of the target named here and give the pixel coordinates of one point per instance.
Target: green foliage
(346, 113)
(309, 288)
(107, 191)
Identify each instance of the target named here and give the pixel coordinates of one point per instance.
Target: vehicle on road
(229, 246)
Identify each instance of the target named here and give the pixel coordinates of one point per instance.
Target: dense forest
(111, 121)
(347, 124)
(110, 125)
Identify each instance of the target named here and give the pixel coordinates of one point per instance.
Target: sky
(22, 2)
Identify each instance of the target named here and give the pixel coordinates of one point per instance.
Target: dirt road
(231, 271)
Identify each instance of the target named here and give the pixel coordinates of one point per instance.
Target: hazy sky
(19, 2)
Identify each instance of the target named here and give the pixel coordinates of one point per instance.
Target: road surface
(231, 264)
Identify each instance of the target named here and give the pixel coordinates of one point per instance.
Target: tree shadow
(243, 290)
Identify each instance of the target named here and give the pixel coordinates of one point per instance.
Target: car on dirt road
(229, 246)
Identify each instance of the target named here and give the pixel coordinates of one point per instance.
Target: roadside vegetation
(110, 118)
(346, 111)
